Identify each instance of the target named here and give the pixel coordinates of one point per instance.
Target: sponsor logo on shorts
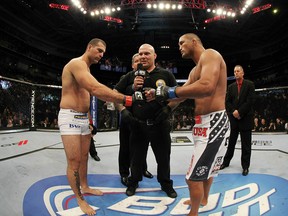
(74, 126)
(217, 164)
(202, 170)
(199, 131)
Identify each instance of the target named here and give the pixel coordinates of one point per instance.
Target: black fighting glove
(163, 114)
(128, 100)
(165, 92)
(126, 116)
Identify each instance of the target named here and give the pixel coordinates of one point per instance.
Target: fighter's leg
(72, 146)
(85, 145)
(206, 186)
(196, 191)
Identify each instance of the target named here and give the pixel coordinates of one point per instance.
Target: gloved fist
(163, 114)
(126, 116)
(128, 100)
(165, 92)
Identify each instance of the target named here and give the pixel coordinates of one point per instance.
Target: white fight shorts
(211, 135)
(73, 123)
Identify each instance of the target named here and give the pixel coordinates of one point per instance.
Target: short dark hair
(96, 41)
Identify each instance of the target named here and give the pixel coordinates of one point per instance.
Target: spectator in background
(256, 124)
(280, 124)
(272, 126)
(54, 124)
(263, 127)
(9, 123)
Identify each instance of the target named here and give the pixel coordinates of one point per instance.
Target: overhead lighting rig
(247, 5)
(220, 11)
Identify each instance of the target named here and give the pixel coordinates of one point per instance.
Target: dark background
(37, 41)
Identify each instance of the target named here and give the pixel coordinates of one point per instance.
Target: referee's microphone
(140, 71)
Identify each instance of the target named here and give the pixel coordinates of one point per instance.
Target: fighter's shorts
(73, 123)
(211, 135)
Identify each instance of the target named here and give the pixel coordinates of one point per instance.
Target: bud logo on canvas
(231, 194)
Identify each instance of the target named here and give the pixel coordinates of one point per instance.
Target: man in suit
(239, 106)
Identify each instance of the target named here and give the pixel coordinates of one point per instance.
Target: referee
(126, 85)
(149, 122)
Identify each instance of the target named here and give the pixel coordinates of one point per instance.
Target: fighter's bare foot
(92, 191)
(188, 202)
(204, 202)
(86, 208)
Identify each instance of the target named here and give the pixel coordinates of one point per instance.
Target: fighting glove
(128, 100)
(165, 92)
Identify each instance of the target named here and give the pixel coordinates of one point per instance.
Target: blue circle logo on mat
(231, 194)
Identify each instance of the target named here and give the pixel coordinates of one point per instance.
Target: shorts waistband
(72, 111)
(206, 115)
(199, 119)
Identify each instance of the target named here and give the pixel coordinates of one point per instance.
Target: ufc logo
(198, 131)
(138, 95)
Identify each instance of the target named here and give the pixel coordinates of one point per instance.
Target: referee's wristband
(172, 92)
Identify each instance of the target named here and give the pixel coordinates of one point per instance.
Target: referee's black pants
(124, 151)
(158, 135)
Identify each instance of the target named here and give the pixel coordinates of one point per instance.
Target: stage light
(107, 10)
(161, 6)
(76, 3)
(219, 11)
(247, 4)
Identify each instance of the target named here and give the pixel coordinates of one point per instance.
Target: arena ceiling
(66, 32)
